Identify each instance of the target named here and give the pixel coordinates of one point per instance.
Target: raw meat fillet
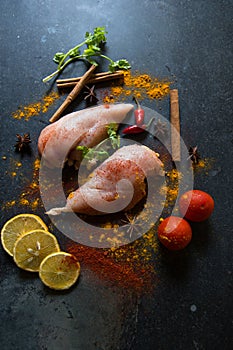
(86, 127)
(117, 184)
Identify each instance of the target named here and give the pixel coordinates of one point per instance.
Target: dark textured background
(188, 40)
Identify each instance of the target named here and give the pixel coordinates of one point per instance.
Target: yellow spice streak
(204, 164)
(35, 108)
(171, 189)
(71, 195)
(36, 165)
(9, 204)
(23, 201)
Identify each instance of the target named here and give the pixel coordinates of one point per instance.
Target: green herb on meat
(112, 134)
(93, 155)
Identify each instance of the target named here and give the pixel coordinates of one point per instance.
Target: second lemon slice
(31, 248)
(18, 226)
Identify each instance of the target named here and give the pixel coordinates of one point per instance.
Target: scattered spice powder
(34, 109)
(128, 266)
(171, 189)
(140, 86)
(204, 165)
(30, 196)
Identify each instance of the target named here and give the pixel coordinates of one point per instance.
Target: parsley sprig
(93, 155)
(94, 44)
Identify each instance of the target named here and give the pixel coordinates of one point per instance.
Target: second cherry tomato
(174, 233)
(196, 205)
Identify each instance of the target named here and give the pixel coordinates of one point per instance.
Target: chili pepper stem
(137, 102)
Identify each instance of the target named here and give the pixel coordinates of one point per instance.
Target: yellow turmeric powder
(34, 109)
(204, 164)
(139, 86)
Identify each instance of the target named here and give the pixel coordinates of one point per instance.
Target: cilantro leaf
(58, 57)
(120, 64)
(84, 150)
(97, 38)
(112, 134)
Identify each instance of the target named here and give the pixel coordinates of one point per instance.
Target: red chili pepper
(134, 129)
(139, 114)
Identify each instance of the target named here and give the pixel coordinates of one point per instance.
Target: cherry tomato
(174, 233)
(196, 205)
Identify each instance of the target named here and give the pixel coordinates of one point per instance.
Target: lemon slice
(59, 270)
(18, 226)
(31, 248)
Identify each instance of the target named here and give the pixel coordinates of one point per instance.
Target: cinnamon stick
(175, 122)
(96, 78)
(76, 79)
(73, 94)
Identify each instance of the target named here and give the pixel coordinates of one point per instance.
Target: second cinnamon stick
(96, 78)
(175, 122)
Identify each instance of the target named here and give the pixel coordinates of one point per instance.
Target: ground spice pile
(35, 108)
(128, 266)
(140, 86)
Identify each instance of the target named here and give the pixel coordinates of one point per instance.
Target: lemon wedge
(31, 248)
(18, 226)
(59, 270)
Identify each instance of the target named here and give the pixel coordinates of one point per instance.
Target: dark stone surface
(191, 303)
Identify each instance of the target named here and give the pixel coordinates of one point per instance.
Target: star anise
(160, 129)
(194, 155)
(133, 225)
(91, 95)
(22, 142)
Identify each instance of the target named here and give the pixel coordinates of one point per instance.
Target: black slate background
(191, 42)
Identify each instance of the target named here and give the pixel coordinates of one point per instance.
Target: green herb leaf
(91, 51)
(58, 57)
(120, 64)
(100, 154)
(112, 134)
(84, 150)
(92, 154)
(97, 38)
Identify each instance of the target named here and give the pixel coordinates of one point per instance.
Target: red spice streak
(118, 273)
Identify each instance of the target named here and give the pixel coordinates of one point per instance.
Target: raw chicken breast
(86, 127)
(117, 184)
